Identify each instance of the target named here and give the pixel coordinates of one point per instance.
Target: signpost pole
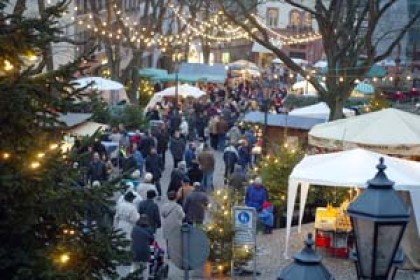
(254, 273)
(185, 232)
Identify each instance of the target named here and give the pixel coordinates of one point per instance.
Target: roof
(210, 73)
(283, 120)
(73, 119)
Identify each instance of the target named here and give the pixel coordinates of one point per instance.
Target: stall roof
(73, 119)
(283, 120)
(154, 73)
(210, 73)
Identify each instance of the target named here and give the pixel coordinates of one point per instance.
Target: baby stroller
(158, 269)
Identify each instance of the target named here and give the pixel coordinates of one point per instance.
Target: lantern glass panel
(364, 231)
(388, 237)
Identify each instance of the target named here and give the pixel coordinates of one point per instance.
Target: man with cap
(150, 208)
(256, 195)
(176, 177)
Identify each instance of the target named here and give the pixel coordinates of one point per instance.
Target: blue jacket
(138, 156)
(256, 196)
(189, 157)
(244, 156)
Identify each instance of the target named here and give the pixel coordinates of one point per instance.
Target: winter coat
(172, 216)
(126, 216)
(138, 156)
(230, 156)
(143, 188)
(176, 180)
(153, 166)
(97, 171)
(256, 196)
(189, 157)
(237, 179)
(146, 145)
(195, 174)
(177, 147)
(244, 155)
(141, 237)
(162, 142)
(184, 128)
(213, 126)
(234, 135)
(150, 208)
(206, 161)
(222, 126)
(195, 207)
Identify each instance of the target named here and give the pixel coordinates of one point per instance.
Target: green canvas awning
(152, 73)
(375, 71)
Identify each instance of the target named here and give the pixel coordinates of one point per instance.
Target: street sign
(189, 247)
(245, 224)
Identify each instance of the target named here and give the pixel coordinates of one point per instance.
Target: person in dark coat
(147, 143)
(97, 170)
(190, 155)
(162, 139)
(174, 121)
(150, 208)
(238, 179)
(195, 205)
(230, 157)
(176, 177)
(153, 165)
(142, 237)
(195, 173)
(177, 148)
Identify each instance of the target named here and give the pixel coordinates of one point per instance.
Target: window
(295, 20)
(272, 17)
(308, 20)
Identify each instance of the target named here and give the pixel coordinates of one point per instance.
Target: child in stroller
(158, 269)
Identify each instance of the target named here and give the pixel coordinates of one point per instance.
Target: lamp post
(379, 217)
(307, 265)
(176, 59)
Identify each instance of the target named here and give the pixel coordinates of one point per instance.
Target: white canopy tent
(349, 169)
(87, 128)
(306, 87)
(389, 131)
(112, 92)
(318, 111)
(321, 64)
(184, 91)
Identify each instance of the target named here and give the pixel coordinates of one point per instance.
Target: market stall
(184, 91)
(351, 169)
(318, 111)
(305, 88)
(110, 91)
(389, 131)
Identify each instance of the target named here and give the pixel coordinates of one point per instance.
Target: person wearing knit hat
(256, 195)
(146, 185)
(267, 217)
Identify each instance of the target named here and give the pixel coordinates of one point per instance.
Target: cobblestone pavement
(270, 259)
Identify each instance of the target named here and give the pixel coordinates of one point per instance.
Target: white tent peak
(352, 168)
(98, 83)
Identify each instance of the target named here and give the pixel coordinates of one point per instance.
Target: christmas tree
(43, 231)
(221, 234)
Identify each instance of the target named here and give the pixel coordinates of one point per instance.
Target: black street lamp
(379, 217)
(306, 266)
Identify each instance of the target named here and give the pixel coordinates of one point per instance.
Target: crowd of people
(192, 137)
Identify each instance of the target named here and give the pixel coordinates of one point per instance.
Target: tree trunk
(206, 52)
(135, 77)
(336, 104)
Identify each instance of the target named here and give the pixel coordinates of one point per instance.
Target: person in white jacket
(130, 188)
(172, 216)
(184, 128)
(126, 215)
